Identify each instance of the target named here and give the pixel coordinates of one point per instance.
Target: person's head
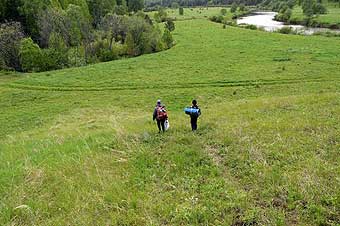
(158, 103)
(194, 102)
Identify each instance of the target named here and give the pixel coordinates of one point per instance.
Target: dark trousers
(161, 125)
(193, 123)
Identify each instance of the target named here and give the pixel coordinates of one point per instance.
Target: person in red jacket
(160, 115)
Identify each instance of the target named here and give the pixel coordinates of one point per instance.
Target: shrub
(107, 55)
(251, 27)
(170, 25)
(285, 30)
(167, 39)
(181, 11)
(319, 8)
(76, 56)
(217, 19)
(223, 11)
(53, 59)
(31, 57)
(161, 15)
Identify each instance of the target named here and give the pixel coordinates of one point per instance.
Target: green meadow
(331, 18)
(79, 147)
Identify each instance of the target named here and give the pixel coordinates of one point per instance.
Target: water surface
(266, 21)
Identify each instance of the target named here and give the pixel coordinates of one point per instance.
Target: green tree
(307, 8)
(99, 8)
(31, 57)
(233, 8)
(114, 27)
(78, 25)
(135, 5)
(30, 10)
(10, 36)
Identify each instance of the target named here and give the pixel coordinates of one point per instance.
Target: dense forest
(40, 35)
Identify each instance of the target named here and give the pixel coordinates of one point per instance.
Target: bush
(170, 25)
(76, 56)
(217, 19)
(251, 27)
(181, 11)
(31, 56)
(161, 15)
(223, 11)
(286, 30)
(319, 8)
(167, 39)
(106, 55)
(53, 59)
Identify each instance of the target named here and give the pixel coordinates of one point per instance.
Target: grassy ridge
(78, 146)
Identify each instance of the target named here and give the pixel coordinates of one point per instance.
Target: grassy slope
(332, 17)
(78, 146)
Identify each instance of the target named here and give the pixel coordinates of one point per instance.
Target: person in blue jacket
(194, 117)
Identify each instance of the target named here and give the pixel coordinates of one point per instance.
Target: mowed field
(78, 146)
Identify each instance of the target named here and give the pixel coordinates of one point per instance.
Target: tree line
(40, 35)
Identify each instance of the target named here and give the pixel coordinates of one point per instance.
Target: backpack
(196, 112)
(161, 113)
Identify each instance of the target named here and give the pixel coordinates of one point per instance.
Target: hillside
(78, 146)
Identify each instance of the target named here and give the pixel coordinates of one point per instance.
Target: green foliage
(31, 56)
(135, 5)
(161, 15)
(76, 56)
(233, 8)
(242, 7)
(319, 8)
(286, 30)
(79, 26)
(30, 10)
(223, 12)
(181, 11)
(170, 25)
(99, 8)
(138, 39)
(120, 9)
(10, 37)
(307, 7)
(167, 38)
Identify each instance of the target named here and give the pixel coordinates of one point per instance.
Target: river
(267, 22)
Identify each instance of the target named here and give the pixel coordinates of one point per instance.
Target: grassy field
(78, 146)
(331, 18)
